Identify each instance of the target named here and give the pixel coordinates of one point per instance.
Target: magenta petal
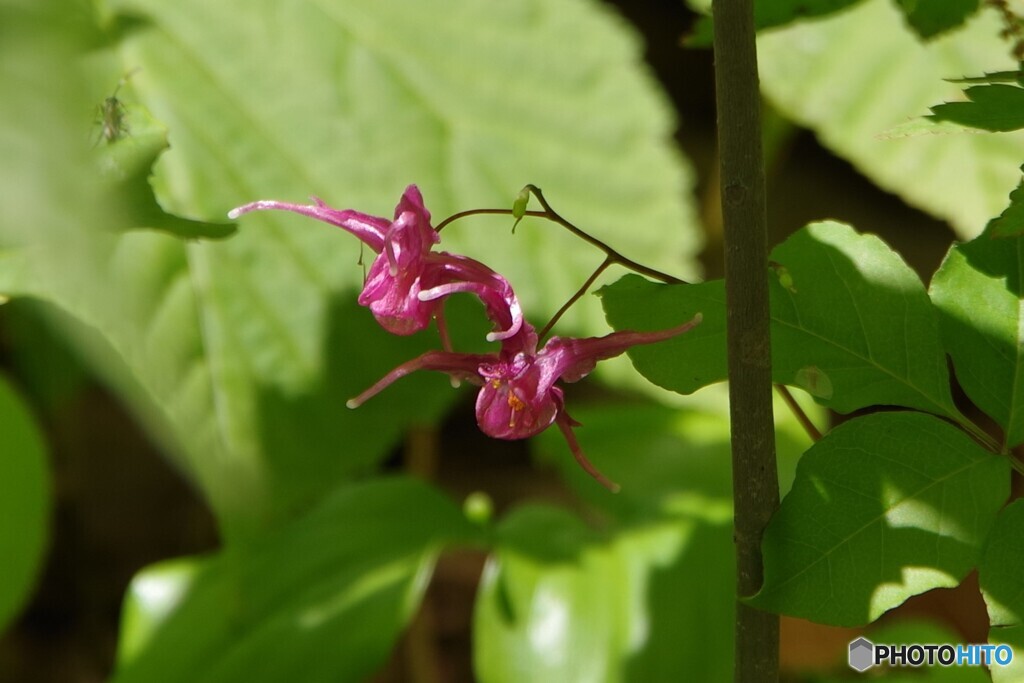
(463, 274)
(458, 365)
(369, 229)
(572, 359)
(565, 425)
(394, 300)
(512, 404)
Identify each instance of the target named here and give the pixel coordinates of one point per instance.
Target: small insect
(111, 115)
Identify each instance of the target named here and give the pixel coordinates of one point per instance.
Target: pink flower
(518, 396)
(407, 282)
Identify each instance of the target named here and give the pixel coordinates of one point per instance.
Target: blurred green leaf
(852, 325)
(239, 356)
(978, 292)
(24, 505)
(125, 165)
(362, 106)
(1003, 587)
(909, 491)
(997, 107)
(853, 76)
(929, 18)
(560, 602)
(321, 599)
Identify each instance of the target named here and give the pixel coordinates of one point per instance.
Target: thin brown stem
(614, 255)
(553, 216)
(798, 412)
(484, 212)
(575, 297)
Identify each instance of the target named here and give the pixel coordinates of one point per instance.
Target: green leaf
(929, 18)
(1003, 587)
(559, 602)
(636, 303)
(125, 165)
(25, 504)
(321, 599)
(978, 291)
(1010, 223)
(855, 75)
(997, 107)
(855, 328)
(912, 493)
(239, 355)
(365, 87)
(851, 324)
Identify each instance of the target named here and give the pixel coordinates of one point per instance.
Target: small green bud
(519, 205)
(478, 507)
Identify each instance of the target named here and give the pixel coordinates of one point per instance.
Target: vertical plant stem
(755, 478)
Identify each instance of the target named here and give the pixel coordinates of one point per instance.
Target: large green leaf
(884, 507)
(851, 324)
(978, 293)
(321, 599)
(25, 504)
(559, 602)
(1003, 587)
(855, 75)
(240, 355)
(363, 105)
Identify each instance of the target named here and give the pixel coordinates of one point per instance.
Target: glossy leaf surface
(912, 493)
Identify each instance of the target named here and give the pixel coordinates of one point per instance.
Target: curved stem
(553, 216)
(484, 212)
(575, 297)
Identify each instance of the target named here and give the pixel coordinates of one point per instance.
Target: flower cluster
(405, 289)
